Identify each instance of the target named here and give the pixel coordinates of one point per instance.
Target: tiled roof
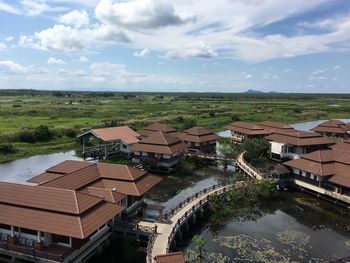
(176, 257)
(68, 166)
(123, 133)
(119, 172)
(247, 128)
(159, 142)
(197, 134)
(275, 125)
(299, 138)
(107, 194)
(332, 126)
(58, 200)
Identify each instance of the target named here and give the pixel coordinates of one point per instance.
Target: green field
(79, 111)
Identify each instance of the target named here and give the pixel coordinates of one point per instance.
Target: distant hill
(252, 91)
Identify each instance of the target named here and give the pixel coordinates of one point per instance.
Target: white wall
(276, 147)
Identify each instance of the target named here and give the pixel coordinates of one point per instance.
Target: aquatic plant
(208, 257)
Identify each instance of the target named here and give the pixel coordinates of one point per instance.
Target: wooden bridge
(161, 239)
(247, 168)
(207, 156)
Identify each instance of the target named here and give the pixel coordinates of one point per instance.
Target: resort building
(199, 139)
(333, 128)
(328, 169)
(157, 127)
(159, 151)
(116, 183)
(45, 224)
(108, 141)
(245, 130)
(272, 126)
(293, 144)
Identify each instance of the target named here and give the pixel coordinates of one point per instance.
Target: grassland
(83, 110)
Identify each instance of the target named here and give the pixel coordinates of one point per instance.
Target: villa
(45, 224)
(157, 127)
(108, 141)
(328, 169)
(293, 144)
(159, 151)
(333, 128)
(245, 130)
(199, 139)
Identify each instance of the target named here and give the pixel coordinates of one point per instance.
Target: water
(300, 228)
(23, 169)
(306, 126)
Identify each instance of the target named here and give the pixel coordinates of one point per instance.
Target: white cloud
(9, 66)
(336, 67)
(37, 7)
(9, 8)
(286, 70)
(193, 50)
(141, 53)
(55, 61)
(270, 76)
(76, 19)
(9, 39)
(246, 75)
(141, 14)
(3, 46)
(83, 59)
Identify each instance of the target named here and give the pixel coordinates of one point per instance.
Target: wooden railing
(193, 210)
(151, 240)
(249, 169)
(188, 200)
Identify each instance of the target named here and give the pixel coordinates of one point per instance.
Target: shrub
(7, 148)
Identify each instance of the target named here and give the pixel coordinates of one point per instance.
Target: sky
(176, 46)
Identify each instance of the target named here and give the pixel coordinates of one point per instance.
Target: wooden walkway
(247, 168)
(160, 242)
(213, 157)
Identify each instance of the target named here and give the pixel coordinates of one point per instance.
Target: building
(157, 127)
(108, 141)
(333, 128)
(116, 183)
(175, 257)
(291, 145)
(327, 168)
(245, 130)
(272, 126)
(45, 224)
(159, 151)
(199, 139)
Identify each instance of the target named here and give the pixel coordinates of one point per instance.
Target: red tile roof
(332, 126)
(300, 138)
(123, 133)
(247, 128)
(157, 127)
(197, 134)
(159, 142)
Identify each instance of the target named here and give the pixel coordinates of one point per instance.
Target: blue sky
(179, 45)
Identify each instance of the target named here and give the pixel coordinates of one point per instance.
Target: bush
(38, 134)
(7, 148)
(256, 149)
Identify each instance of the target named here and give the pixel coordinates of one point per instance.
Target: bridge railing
(188, 200)
(252, 171)
(151, 240)
(192, 211)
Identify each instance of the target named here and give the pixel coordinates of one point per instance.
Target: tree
(228, 148)
(256, 149)
(200, 243)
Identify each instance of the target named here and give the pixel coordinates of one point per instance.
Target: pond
(23, 169)
(299, 228)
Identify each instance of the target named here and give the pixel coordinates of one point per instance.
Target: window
(166, 156)
(137, 153)
(125, 146)
(144, 154)
(7, 227)
(158, 155)
(196, 144)
(312, 177)
(300, 173)
(62, 239)
(29, 231)
(307, 174)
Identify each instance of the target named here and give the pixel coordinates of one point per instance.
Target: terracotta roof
(157, 127)
(125, 179)
(247, 128)
(68, 166)
(123, 133)
(332, 126)
(197, 134)
(44, 178)
(275, 125)
(135, 188)
(299, 138)
(119, 172)
(333, 162)
(159, 142)
(57, 200)
(107, 194)
(176, 257)
(78, 226)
